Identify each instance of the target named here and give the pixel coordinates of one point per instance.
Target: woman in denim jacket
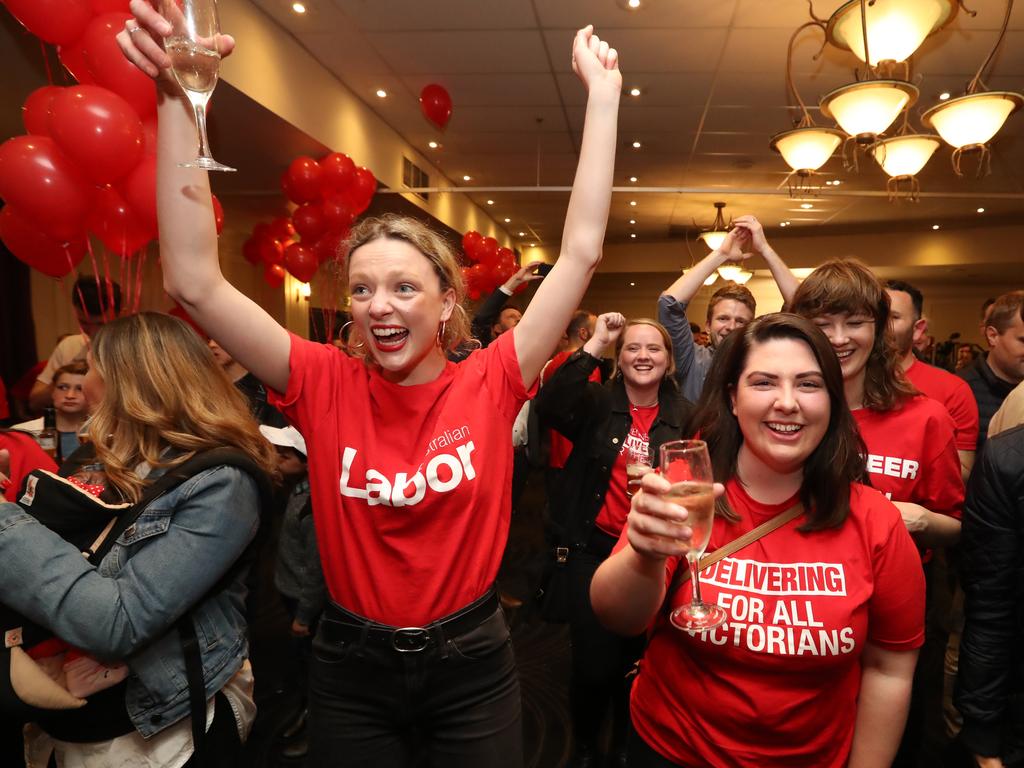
(159, 399)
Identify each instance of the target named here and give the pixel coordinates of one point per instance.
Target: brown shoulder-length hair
(163, 388)
(665, 337)
(442, 257)
(847, 285)
(832, 466)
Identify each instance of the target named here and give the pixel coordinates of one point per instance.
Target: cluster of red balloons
(490, 264)
(88, 160)
(330, 194)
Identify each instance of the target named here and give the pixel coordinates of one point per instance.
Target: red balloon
(470, 243)
(52, 21)
(98, 130)
(73, 58)
(301, 261)
(109, 6)
(309, 221)
(281, 229)
(331, 247)
(24, 239)
(271, 251)
(337, 172)
(364, 187)
(303, 180)
(487, 253)
(149, 136)
(35, 112)
(111, 69)
(436, 104)
(274, 275)
(41, 182)
(338, 213)
(116, 224)
(251, 250)
(139, 189)
(218, 213)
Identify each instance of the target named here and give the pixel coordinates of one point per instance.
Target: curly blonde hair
(441, 255)
(163, 388)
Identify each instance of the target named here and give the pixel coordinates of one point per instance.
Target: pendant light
(714, 237)
(902, 158)
(866, 109)
(895, 28)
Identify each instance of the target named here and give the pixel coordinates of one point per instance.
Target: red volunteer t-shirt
(411, 485)
(26, 455)
(912, 454)
(776, 685)
(636, 448)
(953, 393)
(561, 446)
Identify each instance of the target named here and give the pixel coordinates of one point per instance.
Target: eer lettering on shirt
(411, 485)
(952, 392)
(777, 684)
(912, 454)
(636, 449)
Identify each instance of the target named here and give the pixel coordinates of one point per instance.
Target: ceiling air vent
(413, 176)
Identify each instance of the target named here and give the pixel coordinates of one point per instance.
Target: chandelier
(714, 237)
(895, 28)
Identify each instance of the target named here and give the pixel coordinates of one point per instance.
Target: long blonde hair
(163, 388)
(441, 256)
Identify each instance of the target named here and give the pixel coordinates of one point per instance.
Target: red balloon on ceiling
(309, 221)
(337, 172)
(98, 130)
(52, 21)
(436, 104)
(38, 179)
(139, 189)
(363, 188)
(303, 180)
(471, 243)
(35, 112)
(117, 226)
(111, 69)
(24, 239)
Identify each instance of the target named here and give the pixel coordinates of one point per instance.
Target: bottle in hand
(47, 438)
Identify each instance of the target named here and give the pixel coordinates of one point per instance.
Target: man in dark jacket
(990, 684)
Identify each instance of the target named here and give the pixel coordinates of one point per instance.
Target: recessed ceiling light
(490, 202)
(508, 220)
(634, 91)
(828, 183)
(467, 178)
(433, 144)
(298, 7)
(981, 210)
(632, 202)
(935, 226)
(522, 234)
(784, 224)
(632, 284)
(836, 182)
(533, 245)
(806, 206)
(636, 145)
(944, 95)
(632, 221)
(633, 235)
(633, 3)
(381, 93)
(633, 179)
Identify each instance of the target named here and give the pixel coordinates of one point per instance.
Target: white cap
(288, 437)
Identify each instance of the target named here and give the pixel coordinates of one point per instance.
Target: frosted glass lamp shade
(896, 28)
(713, 239)
(905, 155)
(806, 149)
(868, 108)
(972, 120)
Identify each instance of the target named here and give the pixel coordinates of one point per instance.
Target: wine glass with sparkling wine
(687, 466)
(192, 48)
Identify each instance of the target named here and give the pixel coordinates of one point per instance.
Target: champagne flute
(687, 466)
(195, 59)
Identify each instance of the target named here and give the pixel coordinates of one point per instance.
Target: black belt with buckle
(341, 626)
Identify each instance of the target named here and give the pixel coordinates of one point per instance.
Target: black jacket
(990, 684)
(989, 392)
(596, 418)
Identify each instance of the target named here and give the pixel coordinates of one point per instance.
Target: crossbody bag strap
(682, 573)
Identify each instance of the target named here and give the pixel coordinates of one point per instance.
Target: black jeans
(640, 755)
(456, 703)
(600, 659)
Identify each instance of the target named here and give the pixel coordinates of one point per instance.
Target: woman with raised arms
(813, 665)
(410, 459)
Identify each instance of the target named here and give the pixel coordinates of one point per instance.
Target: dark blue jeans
(457, 704)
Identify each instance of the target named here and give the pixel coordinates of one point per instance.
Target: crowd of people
(848, 472)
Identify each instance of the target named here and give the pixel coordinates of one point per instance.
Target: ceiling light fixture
(634, 91)
(633, 235)
(714, 237)
(807, 206)
(743, 277)
(490, 202)
(967, 123)
(522, 234)
(467, 178)
(632, 285)
(887, 31)
(433, 144)
(633, 3)
(866, 109)
(633, 203)
(632, 221)
(381, 93)
(533, 245)
(298, 7)
(902, 158)
(730, 272)
(637, 145)
(981, 210)
(944, 95)
(711, 279)
(508, 220)
(935, 226)
(633, 179)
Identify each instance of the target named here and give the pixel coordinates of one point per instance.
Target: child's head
(291, 450)
(68, 395)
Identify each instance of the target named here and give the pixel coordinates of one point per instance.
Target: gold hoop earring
(341, 335)
(440, 333)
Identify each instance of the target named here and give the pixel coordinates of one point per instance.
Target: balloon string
(96, 276)
(139, 268)
(46, 62)
(110, 308)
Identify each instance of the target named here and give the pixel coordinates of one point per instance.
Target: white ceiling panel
(692, 14)
(651, 50)
(401, 15)
(493, 90)
(451, 52)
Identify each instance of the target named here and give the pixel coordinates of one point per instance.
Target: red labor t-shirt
(561, 446)
(26, 455)
(636, 448)
(912, 454)
(776, 685)
(953, 393)
(411, 485)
